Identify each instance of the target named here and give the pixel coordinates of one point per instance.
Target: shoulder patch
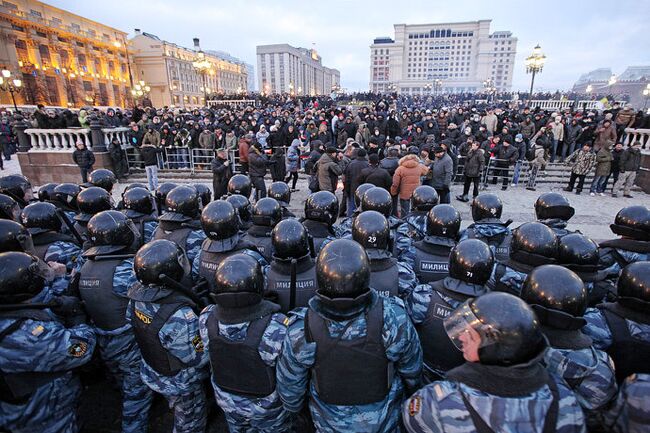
(144, 318)
(78, 349)
(415, 404)
(197, 343)
(189, 315)
(38, 330)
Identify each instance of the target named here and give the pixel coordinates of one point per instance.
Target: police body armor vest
(42, 242)
(139, 224)
(500, 243)
(260, 236)
(174, 232)
(106, 309)
(500, 270)
(208, 261)
(384, 277)
(630, 355)
(278, 280)
(238, 367)
(17, 388)
(146, 329)
(431, 261)
(350, 372)
(319, 232)
(439, 353)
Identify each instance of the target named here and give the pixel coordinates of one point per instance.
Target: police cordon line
(374, 324)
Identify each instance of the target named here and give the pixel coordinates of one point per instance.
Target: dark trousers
(501, 172)
(84, 173)
(244, 167)
(572, 181)
(292, 175)
(468, 182)
(443, 193)
(260, 187)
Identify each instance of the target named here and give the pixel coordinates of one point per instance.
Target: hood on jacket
(409, 161)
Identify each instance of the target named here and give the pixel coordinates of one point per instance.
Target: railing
(65, 139)
(554, 104)
(632, 135)
(234, 103)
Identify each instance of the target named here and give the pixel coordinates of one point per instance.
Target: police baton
(70, 226)
(165, 279)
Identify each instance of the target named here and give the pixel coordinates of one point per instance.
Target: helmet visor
(460, 324)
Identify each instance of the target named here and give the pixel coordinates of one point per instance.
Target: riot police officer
(39, 350)
(103, 282)
(17, 187)
(291, 276)
(139, 206)
(533, 244)
(266, 214)
(161, 195)
(244, 210)
(180, 221)
(554, 210)
(622, 328)
(488, 227)
(366, 350)
(344, 227)
(46, 192)
(632, 224)
(321, 212)
(388, 276)
(282, 193)
(221, 225)
(503, 386)
(430, 256)
(204, 192)
(243, 335)
(164, 314)
(15, 237)
(102, 178)
(470, 266)
(240, 184)
(424, 198)
(90, 202)
(9, 209)
(65, 198)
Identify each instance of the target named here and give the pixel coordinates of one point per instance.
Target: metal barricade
(458, 176)
(496, 174)
(177, 158)
(202, 160)
(233, 157)
(133, 157)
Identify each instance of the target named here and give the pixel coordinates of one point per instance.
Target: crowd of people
(389, 319)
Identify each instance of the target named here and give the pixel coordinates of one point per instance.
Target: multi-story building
(445, 57)
(250, 69)
(61, 58)
(282, 68)
(630, 84)
(169, 71)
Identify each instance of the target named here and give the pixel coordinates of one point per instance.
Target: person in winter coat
(278, 165)
(118, 158)
(442, 172)
(244, 148)
(583, 161)
(293, 163)
(506, 156)
(363, 135)
(329, 170)
(257, 165)
(376, 175)
(351, 178)
(572, 131)
(603, 168)
(150, 158)
(261, 136)
(324, 135)
(83, 118)
(629, 165)
(391, 162)
(221, 173)
(407, 177)
(527, 128)
(605, 135)
(617, 152)
(474, 165)
(84, 158)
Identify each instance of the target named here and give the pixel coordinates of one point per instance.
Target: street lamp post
(140, 90)
(489, 88)
(203, 66)
(427, 88)
(437, 86)
(534, 65)
(10, 85)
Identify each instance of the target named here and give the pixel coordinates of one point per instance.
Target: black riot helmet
(91, 201)
(577, 249)
(360, 191)
(17, 187)
(290, 240)
(46, 192)
(533, 240)
(102, 178)
(137, 202)
(66, 195)
(240, 184)
(377, 199)
(553, 205)
(204, 192)
(343, 270)
(471, 260)
(633, 222)
(634, 286)
(508, 328)
(9, 208)
(14, 237)
(160, 257)
(136, 185)
(281, 192)
(322, 206)
(444, 221)
(182, 203)
(554, 287)
(486, 206)
(242, 206)
(41, 217)
(238, 282)
(110, 231)
(22, 277)
(164, 189)
(371, 230)
(424, 198)
(267, 212)
(219, 220)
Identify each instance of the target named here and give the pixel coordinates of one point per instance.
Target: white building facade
(282, 68)
(446, 57)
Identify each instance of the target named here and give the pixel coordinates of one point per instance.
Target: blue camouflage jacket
(631, 413)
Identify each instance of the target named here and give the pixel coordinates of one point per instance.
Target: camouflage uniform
(558, 226)
(246, 414)
(180, 337)
(62, 252)
(505, 278)
(407, 280)
(149, 228)
(614, 258)
(631, 412)
(343, 230)
(490, 233)
(298, 357)
(414, 227)
(196, 264)
(44, 346)
(598, 329)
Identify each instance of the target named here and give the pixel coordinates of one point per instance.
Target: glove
(70, 308)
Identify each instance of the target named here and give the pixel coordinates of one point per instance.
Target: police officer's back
(9, 208)
(139, 206)
(488, 227)
(161, 195)
(266, 214)
(240, 184)
(282, 193)
(424, 198)
(632, 224)
(17, 187)
(554, 210)
(344, 227)
(353, 351)
(90, 201)
(243, 335)
(321, 212)
(244, 209)
(102, 178)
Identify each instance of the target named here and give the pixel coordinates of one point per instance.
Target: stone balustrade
(632, 135)
(49, 140)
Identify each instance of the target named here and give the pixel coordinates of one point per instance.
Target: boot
(462, 198)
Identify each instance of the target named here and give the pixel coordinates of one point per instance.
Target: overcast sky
(576, 36)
